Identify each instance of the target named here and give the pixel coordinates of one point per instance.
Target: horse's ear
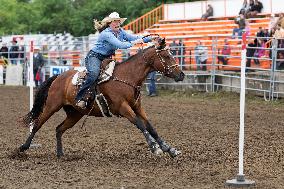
(162, 43)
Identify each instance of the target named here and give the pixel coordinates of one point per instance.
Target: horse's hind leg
(73, 116)
(45, 115)
(163, 145)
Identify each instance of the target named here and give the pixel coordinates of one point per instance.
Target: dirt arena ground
(112, 153)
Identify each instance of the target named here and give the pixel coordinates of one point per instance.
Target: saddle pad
(75, 77)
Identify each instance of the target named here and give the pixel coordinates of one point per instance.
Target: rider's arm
(109, 37)
(131, 37)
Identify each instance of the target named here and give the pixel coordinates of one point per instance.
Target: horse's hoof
(157, 151)
(174, 152)
(17, 154)
(59, 154)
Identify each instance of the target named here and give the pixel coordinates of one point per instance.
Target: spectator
(196, 55)
(272, 32)
(22, 50)
(280, 22)
(125, 54)
(245, 8)
(152, 85)
(280, 62)
(260, 52)
(208, 13)
(38, 63)
(4, 51)
(260, 32)
(251, 4)
(255, 9)
(251, 52)
(247, 28)
(279, 33)
(240, 20)
(13, 52)
(226, 51)
(201, 55)
(266, 35)
(280, 47)
(272, 22)
(181, 53)
(174, 48)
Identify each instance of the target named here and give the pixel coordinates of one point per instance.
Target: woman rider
(111, 37)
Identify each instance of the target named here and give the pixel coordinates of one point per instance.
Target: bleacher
(192, 30)
(177, 21)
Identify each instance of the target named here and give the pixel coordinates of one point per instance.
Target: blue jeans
(13, 61)
(152, 85)
(239, 31)
(93, 65)
(198, 62)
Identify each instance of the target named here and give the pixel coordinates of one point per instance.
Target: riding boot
(93, 91)
(80, 101)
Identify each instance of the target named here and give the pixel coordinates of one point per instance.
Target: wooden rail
(146, 21)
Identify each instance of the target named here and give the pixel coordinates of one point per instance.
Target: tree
(74, 16)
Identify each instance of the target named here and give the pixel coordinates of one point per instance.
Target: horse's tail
(39, 101)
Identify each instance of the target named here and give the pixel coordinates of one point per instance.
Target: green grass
(216, 96)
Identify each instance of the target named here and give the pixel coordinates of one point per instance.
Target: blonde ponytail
(100, 25)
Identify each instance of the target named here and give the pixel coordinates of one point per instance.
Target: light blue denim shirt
(108, 41)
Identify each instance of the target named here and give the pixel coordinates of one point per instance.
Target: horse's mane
(162, 45)
(133, 56)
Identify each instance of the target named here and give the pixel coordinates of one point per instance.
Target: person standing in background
(13, 52)
(38, 63)
(152, 90)
(4, 53)
(174, 50)
(22, 50)
(226, 51)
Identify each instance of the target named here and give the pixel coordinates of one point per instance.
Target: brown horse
(122, 93)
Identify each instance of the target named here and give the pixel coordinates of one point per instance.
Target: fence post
(273, 68)
(182, 57)
(214, 45)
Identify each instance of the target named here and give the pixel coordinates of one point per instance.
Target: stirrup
(81, 104)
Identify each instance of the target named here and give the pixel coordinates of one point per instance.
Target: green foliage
(74, 16)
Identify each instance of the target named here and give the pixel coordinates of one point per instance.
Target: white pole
(242, 111)
(31, 79)
(240, 181)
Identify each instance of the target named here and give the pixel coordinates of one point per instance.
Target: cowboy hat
(112, 17)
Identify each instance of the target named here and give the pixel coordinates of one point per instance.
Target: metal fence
(264, 79)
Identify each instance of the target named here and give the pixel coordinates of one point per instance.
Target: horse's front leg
(163, 145)
(127, 112)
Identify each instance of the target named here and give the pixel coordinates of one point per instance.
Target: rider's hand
(155, 38)
(137, 41)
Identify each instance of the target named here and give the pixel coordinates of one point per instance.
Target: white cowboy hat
(112, 17)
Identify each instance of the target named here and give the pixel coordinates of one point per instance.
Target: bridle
(167, 69)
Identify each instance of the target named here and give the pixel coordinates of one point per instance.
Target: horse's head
(164, 61)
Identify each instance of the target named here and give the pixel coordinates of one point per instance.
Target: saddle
(93, 93)
(107, 68)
